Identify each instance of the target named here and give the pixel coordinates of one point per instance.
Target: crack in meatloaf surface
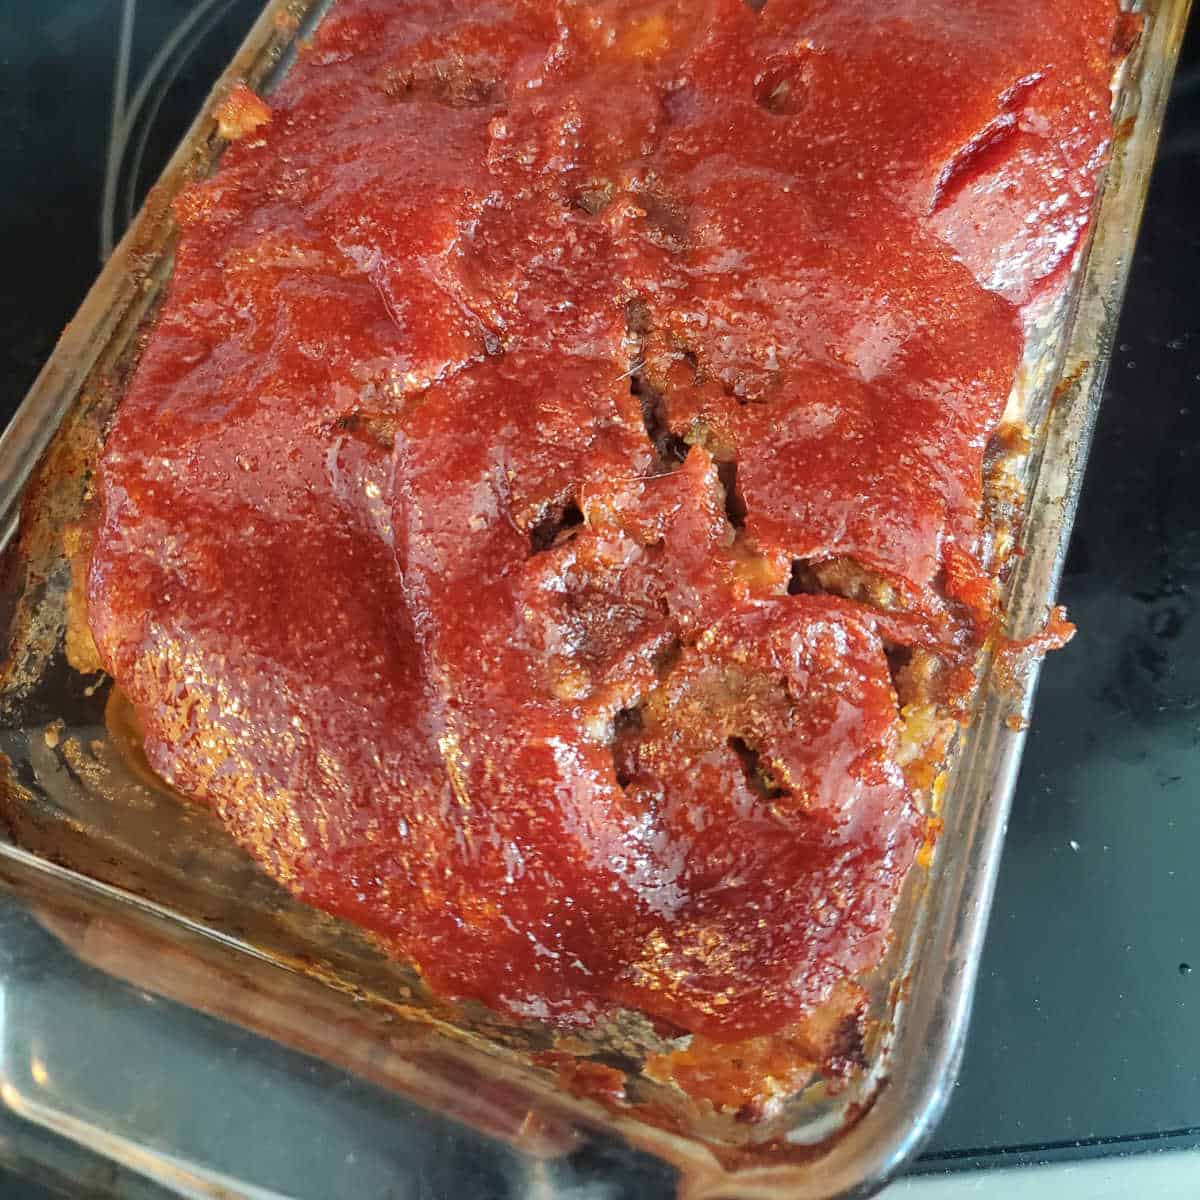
(547, 510)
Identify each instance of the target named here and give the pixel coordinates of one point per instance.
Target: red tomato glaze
(512, 356)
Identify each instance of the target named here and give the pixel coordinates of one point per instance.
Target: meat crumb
(241, 112)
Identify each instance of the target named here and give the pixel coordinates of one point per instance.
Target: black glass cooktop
(1086, 1033)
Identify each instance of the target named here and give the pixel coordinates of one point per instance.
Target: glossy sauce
(513, 357)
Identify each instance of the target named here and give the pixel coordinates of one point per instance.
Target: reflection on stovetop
(1085, 1037)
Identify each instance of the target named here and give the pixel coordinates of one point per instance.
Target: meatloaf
(547, 521)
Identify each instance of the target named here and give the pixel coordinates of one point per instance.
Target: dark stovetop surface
(1086, 1037)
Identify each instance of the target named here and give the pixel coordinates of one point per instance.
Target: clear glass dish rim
(931, 1020)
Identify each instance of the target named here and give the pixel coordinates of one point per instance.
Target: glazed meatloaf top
(546, 522)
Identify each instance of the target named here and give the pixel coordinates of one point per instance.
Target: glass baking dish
(144, 885)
